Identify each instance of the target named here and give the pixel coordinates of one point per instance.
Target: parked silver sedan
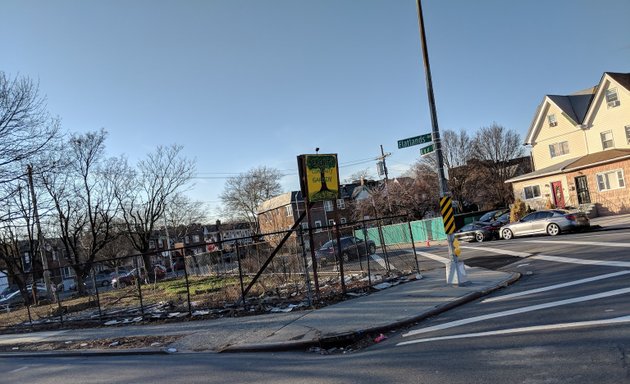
(551, 222)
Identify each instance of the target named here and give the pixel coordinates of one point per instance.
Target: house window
(559, 149)
(331, 222)
(341, 204)
(305, 226)
(552, 120)
(151, 244)
(289, 210)
(607, 139)
(532, 191)
(328, 205)
(318, 226)
(55, 257)
(342, 220)
(610, 180)
(628, 133)
(195, 238)
(611, 98)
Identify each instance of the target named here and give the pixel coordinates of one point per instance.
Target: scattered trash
(68, 342)
(315, 350)
(419, 276)
(156, 344)
(382, 286)
(84, 344)
(114, 344)
(380, 338)
(171, 350)
(529, 273)
(111, 322)
(201, 313)
(15, 348)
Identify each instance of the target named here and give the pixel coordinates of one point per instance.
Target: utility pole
(40, 237)
(455, 271)
(382, 161)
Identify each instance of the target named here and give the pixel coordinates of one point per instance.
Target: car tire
(372, 249)
(345, 256)
(507, 234)
(105, 283)
(553, 229)
(479, 237)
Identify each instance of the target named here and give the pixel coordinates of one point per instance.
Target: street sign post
(417, 140)
(426, 150)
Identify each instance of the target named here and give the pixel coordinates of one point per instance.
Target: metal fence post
(340, 257)
(413, 246)
(98, 297)
(306, 273)
(187, 286)
(365, 238)
(240, 273)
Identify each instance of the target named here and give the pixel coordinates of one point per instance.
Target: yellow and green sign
(319, 176)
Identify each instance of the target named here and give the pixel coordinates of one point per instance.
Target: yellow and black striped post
(446, 208)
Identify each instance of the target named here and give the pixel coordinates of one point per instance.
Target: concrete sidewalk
(342, 322)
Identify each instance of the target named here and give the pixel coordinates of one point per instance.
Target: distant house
(280, 213)
(580, 148)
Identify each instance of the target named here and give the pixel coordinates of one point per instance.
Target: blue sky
(245, 83)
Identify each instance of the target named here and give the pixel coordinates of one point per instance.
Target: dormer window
(611, 98)
(552, 120)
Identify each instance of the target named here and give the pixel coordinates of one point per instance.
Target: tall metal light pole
(455, 271)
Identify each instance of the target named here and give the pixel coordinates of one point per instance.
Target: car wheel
(553, 229)
(372, 249)
(507, 234)
(346, 256)
(479, 237)
(105, 283)
(121, 284)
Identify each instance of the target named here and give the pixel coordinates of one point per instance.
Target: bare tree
(243, 194)
(363, 174)
(181, 212)
(493, 148)
(84, 200)
(25, 126)
(145, 192)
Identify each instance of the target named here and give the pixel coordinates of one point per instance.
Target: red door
(558, 195)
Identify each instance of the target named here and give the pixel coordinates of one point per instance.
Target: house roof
(598, 158)
(552, 170)
(577, 107)
(594, 159)
(277, 202)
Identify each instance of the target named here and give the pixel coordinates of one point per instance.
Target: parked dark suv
(351, 248)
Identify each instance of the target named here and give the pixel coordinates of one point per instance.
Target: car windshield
(487, 216)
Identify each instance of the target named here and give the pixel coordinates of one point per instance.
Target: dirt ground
(121, 343)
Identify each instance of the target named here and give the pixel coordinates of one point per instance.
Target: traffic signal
(456, 249)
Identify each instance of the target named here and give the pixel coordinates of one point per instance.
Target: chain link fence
(275, 272)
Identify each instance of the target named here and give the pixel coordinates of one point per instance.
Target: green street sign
(404, 143)
(426, 150)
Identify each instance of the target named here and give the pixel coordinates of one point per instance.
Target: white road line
(516, 311)
(595, 243)
(497, 250)
(434, 257)
(557, 259)
(581, 324)
(381, 261)
(556, 286)
(19, 369)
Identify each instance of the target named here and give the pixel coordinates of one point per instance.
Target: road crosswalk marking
(595, 243)
(557, 259)
(535, 328)
(517, 311)
(556, 286)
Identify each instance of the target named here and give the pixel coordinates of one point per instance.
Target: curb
(94, 353)
(358, 334)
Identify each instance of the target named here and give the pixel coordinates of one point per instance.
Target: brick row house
(281, 212)
(580, 149)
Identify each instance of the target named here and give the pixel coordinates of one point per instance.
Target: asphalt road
(566, 321)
